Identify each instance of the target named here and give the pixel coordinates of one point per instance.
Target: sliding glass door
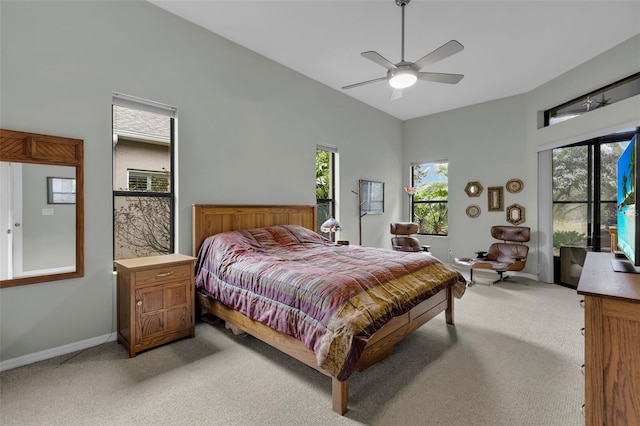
(584, 191)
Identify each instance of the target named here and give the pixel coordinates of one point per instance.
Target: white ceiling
(511, 47)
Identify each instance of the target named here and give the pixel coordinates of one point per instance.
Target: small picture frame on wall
(371, 197)
(61, 190)
(495, 195)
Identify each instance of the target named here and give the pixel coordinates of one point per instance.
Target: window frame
(148, 175)
(617, 91)
(414, 202)
(593, 201)
(171, 193)
(331, 200)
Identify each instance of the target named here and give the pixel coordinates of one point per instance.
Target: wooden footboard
(379, 346)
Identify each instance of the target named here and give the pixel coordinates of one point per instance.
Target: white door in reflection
(10, 220)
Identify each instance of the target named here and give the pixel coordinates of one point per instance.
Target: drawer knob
(139, 303)
(164, 274)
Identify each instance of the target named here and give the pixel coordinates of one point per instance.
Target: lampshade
(330, 225)
(410, 190)
(403, 78)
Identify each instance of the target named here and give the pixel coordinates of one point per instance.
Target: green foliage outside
(432, 218)
(323, 187)
(322, 174)
(572, 185)
(568, 238)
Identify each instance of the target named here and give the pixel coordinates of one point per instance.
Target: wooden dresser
(612, 343)
(155, 300)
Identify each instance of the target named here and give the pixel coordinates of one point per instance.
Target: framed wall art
(371, 197)
(61, 190)
(495, 195)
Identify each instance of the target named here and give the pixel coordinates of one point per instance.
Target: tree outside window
(325, 201)
(584, 191)
(143, 194)
(429, 205)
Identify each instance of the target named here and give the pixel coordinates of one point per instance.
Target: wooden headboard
(210, 220)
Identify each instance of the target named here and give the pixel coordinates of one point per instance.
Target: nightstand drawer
(162, 275)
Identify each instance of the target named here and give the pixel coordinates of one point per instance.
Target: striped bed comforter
(330, 297)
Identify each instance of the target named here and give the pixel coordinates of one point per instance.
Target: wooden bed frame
(209, 220)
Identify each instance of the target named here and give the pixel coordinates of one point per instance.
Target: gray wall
(498, 140)
(244, 139)
(484, 143)
(247, 130)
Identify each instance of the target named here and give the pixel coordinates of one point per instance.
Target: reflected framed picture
(371, 197)
(61, 190)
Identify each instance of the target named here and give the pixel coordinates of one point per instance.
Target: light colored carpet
(513, 358)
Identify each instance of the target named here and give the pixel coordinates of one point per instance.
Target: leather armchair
(403, 239)
(508, 255)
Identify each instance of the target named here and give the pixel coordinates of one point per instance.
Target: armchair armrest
(481, 254)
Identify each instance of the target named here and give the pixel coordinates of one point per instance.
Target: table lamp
(331, 225)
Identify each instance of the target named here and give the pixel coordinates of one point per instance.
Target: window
(140, 180)
(600, 98)
(325, 184)
(143, 178)
(584, 191)
(429, 204)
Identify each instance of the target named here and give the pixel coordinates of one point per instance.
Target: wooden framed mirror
(473, 189)
(495, 195)
(40, 240)
(515, 214)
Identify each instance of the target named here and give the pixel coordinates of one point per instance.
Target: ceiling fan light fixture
(401, 79)
(405, 74)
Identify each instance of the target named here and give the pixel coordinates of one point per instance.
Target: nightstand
(155, 300)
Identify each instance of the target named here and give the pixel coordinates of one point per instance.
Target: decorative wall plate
(473, 211)
(514, 185)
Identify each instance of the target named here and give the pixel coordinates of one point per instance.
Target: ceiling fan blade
(362, 83)
(440, 78)
(395, 94)
(379, 59)
(449, 48)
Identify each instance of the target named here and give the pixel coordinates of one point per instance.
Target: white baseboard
(53, 352)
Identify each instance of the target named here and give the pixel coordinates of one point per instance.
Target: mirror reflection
(40, 237)
(41, 208)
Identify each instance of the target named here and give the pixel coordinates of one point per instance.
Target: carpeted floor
(513, 358)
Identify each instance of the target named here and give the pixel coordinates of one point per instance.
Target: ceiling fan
(404, 74)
